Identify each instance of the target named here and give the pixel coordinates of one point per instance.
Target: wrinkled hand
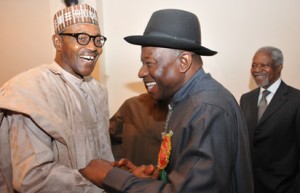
(143, 171)
(96, 171)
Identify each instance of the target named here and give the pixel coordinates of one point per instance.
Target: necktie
(262, 105)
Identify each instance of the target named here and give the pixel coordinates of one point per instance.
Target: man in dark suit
(275, 137)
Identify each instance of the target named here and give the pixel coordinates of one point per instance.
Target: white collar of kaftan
(76, 82)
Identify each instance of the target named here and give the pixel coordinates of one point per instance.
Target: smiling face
(77, 59)
(161, 71)
(264, 70)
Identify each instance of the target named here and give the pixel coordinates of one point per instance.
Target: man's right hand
(143, 171)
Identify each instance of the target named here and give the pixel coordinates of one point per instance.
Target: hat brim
(169, 42)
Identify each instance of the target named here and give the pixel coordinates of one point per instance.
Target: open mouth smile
(88, 58)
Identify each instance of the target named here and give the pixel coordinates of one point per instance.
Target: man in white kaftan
(54, 119)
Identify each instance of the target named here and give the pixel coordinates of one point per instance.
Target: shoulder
(215, 98)
(249, 95)
(293, 89)
(252, 92)
(137, 101)
(287, 90)
(29, 89)
(32, 79)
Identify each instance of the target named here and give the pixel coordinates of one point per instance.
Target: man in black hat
(205, 143)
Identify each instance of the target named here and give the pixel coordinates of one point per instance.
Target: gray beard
(264, 83)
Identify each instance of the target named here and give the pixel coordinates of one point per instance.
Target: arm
(34, 160)
(116, 133)
(5, 158)
(203, 159)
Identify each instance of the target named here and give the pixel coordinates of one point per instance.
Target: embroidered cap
(74, 14)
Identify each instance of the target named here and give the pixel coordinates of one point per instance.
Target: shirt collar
(68, 76)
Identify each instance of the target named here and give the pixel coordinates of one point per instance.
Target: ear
(185, 61)
(280, 67)
(57, 42)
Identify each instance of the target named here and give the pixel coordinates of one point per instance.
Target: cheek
(162, 71)
(71, 52)
(171, 74)
(167, 75)
(159, 72)
(270, 73)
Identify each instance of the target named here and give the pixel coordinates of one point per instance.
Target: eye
(83, 37)
(98, 40)
(147, 63)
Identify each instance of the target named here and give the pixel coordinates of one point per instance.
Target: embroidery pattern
(164, 152)
(165, 149)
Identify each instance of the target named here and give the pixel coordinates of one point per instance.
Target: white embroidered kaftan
(52, 130)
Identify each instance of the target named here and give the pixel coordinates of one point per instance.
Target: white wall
(236, 29)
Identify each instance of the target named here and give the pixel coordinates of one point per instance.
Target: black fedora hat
(172, 28)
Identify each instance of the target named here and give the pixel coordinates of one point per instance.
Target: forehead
(264, 57)
(83, 27)
(156, 51)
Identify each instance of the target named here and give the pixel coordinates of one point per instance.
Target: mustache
(260, 74)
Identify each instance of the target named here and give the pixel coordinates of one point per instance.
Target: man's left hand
(96, 171)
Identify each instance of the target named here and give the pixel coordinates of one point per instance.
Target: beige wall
(234, 28)
(25, 36)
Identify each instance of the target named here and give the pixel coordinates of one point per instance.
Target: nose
(256, 68)
(91, 45)
(143, 71)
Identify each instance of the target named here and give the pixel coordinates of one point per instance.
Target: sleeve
(33, 161)
(116, 127)
(5, 161)
(116, 123)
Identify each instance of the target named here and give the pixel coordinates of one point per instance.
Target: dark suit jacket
(275, 140)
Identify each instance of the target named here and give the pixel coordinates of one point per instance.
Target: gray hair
(276, 54)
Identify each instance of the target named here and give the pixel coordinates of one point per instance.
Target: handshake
(98, 169)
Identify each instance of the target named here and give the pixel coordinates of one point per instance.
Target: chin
(263, 84)
(155, 97)
(86, 72)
